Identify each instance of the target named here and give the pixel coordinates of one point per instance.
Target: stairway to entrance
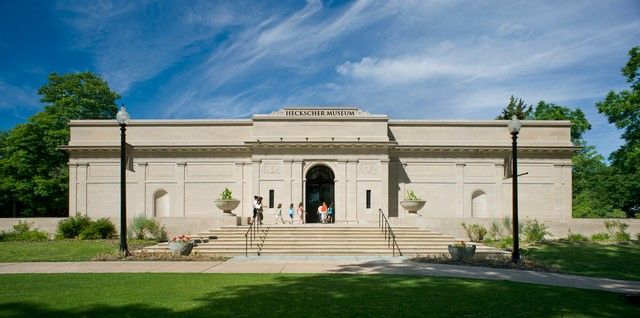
(323, 239)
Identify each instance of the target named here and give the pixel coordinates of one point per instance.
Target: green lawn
(60, 251)
(611, 261)
(276, 295)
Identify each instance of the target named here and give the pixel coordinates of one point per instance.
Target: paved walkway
(327, 265)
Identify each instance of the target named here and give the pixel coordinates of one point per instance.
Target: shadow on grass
(252, 295)
(612, 261)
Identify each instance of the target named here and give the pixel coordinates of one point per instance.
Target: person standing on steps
(255, 208)
(291, 213)
(330, 214)
(279, 216)
(301, 212)
(260, 210)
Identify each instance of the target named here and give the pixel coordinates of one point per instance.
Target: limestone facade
(181, 166)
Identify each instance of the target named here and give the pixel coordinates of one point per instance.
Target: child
(291, 213)
(301, 212)
(279, 217)
(330, 214)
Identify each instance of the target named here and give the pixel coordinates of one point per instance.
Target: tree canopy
(517, 107)
(33, 167)
(623, 110)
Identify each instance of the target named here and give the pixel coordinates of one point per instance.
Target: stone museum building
(357, 161)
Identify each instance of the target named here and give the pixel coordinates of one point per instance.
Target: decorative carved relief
(368, 169)
(271, 168)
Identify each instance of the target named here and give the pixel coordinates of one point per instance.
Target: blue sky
(408, 59)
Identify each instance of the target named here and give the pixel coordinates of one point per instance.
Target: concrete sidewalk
(328, 265)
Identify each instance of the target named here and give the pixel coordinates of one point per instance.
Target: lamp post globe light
(123, 119)
(514, 128)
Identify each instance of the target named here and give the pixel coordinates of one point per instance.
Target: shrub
(22, 231)
(505, 242)
(617, 232)
(638, 237)
(576, 238)
(600, 238)
(99, 229)
(496, 232)
(535, 232)
(475, 232)
(73, 226)
(143, 227)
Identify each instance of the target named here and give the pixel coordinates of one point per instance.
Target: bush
(73, 226)
(535, 232)
(475, 232)
(576, 238)
(504, 242)
(600, 238)
(22, 231)
(143, 227)
(617, 232)
(100, 229)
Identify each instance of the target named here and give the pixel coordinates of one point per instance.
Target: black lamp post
(514, 129)
(123, 118)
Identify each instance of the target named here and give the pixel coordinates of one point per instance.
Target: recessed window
(368, 199)
(271, 196)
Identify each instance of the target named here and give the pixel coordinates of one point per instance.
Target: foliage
(535, 232)
(618, 231)
(226, 194)
(475, 232)
(411, 196)
(99, 229)
(600, 238)
(32, 167)
(142, 227)
(22, 231)
(550, 111)
(71, 227)
(623, 110)
(516, 107)
(575, 238)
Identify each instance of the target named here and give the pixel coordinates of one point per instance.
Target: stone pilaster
(180, 190)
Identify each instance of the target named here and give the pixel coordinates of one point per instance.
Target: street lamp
(514, 129)
(123, 118)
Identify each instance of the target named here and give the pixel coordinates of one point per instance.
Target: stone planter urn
(181, 248)
(227, 205)
(412, 206)
(459, 252)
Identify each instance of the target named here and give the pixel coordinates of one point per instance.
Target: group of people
(299, 212)
(325, 213)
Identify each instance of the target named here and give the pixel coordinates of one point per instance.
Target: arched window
(161, 203)
(479, 204)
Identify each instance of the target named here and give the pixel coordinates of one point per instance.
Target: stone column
(142, 188)
(384, 187)
(73, 188)
(498, 179)
(287, 185)
(351, 184)
(180, 199)
(81, 193)
(297, 187)
(239, 192)
(460, 198)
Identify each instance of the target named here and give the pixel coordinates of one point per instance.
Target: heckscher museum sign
(319, 112)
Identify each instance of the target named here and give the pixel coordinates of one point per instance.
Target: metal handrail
(250, 235)
(383, 223)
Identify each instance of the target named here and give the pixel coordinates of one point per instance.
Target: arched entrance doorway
(319, 188)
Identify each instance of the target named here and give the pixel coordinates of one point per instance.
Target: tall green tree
(623, 110)
(34, 168)
(516, 107)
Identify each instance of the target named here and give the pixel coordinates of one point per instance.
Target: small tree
(516, 107)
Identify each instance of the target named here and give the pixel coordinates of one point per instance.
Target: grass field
(611, 261)
(265, 295)
(61, 251)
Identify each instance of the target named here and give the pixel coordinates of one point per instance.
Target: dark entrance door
(320, 188)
